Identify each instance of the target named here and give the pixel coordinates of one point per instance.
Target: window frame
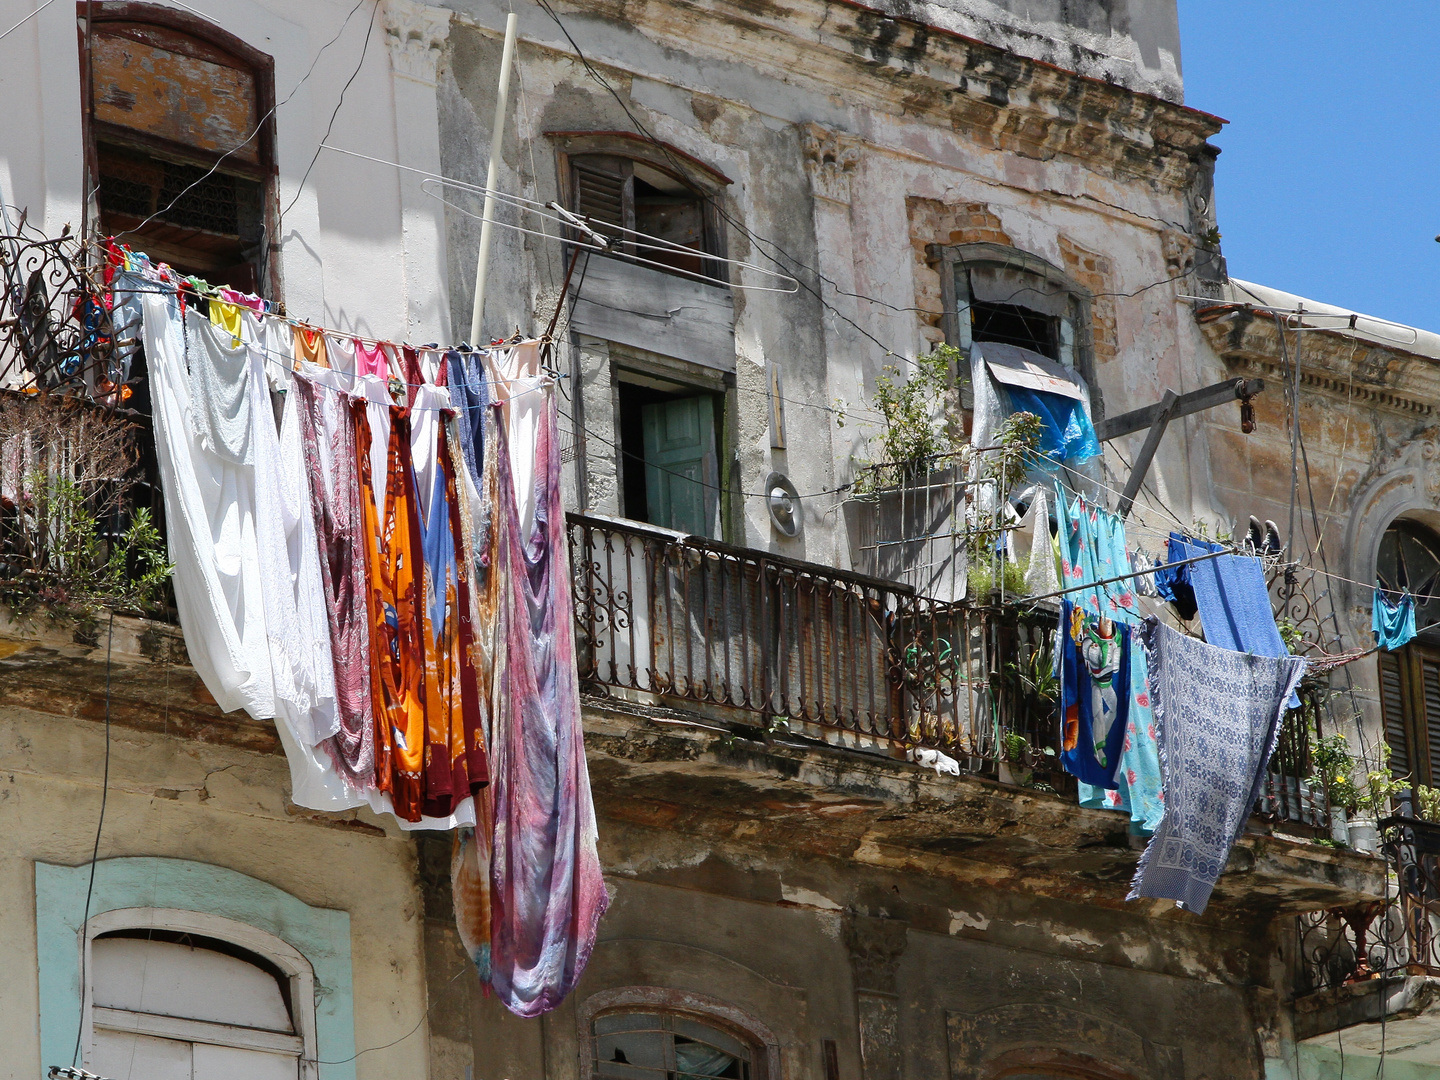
(707, 183)
(260, 64)
(292, 964)
(950, 257)
(714, 1012)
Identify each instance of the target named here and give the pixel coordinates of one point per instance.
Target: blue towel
(1174, 584)
(1393, 624)
(1235, 607)
(1066, 433)
(1095, 696)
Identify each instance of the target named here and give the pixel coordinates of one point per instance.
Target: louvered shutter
(1392, 706)
(1430, 676)
(603, 191)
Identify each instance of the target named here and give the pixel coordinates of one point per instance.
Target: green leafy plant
(1290, 634)
(1006, 466)
(1427, 803)
(69, 547)
(1334, 768)
(980, 576)
(1037, 678)
(1015, 748)
(83, 570)
(916, 423)
(1381, 787)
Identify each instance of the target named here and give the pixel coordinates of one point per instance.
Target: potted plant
(1373, 802)
(1016, 765)
(1427, 804)
(1334, 767)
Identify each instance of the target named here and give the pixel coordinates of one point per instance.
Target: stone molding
(986, 95)
(830, 159)
(415, 34)
(1333, 364)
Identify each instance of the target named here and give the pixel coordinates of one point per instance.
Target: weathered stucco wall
(853, 141)
(1133, 43)
(360, 244)
(184, 784)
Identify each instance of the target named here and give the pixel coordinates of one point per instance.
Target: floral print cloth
(1092, 548)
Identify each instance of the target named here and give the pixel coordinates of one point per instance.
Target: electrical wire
(26, 19)
(369, 32)
(95, 851)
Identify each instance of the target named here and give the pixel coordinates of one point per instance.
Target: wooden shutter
(1429, 670)
(1392, 707)
(603, 190)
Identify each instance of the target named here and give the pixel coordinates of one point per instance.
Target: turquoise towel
(1393, 624)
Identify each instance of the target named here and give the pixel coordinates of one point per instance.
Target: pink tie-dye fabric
(547, 892)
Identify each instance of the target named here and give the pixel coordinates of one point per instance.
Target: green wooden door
(681, 477)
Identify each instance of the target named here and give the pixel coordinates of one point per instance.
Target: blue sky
(1328, 178)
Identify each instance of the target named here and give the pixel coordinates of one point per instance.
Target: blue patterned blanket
(1219, 715)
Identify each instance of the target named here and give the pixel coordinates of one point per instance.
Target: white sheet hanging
(210, 524)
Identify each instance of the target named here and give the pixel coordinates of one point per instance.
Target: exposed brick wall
(935, 222)
(1095, 273)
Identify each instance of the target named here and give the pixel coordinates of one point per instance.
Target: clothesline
(184, 285)
(1131, 575)
(287, 363)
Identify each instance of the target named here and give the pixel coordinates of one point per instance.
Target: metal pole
(492, 178)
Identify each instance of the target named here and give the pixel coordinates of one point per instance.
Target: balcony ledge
(660, 767)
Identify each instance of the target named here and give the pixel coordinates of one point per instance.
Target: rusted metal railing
(842, 656)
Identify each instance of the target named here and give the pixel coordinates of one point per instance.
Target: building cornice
(1334, 364)
(891, 64)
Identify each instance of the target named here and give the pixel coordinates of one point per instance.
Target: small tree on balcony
(66, 541)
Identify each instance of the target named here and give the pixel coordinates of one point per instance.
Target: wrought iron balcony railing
(843, 657)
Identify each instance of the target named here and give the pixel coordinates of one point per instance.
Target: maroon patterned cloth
(330, 467)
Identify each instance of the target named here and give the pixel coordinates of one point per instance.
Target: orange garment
(310, 346)
(393, 602)
(456, 765)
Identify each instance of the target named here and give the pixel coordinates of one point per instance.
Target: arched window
(181, 140)
(655, 1033)
(631, 183)
(657, 1046)
(186, 995)
(995, 293)
(1409, 560)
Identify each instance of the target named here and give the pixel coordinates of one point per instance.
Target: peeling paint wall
(215, 797)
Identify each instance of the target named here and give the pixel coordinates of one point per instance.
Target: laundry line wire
(571, 220)
(462, 348)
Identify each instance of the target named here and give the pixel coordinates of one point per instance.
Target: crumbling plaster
(183, 790)
(825, 142)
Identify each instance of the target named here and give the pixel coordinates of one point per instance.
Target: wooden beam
(1163, 412)
(1196, 401)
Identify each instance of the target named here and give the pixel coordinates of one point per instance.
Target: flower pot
(1339, 829)
(1017, 775)
(1364, 836)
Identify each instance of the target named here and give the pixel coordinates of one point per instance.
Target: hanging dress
(393, 598)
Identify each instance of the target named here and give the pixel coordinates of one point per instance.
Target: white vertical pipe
(492, 178)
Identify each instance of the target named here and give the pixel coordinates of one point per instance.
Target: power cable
(95, 852)
(26, 19)
(369, 32)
